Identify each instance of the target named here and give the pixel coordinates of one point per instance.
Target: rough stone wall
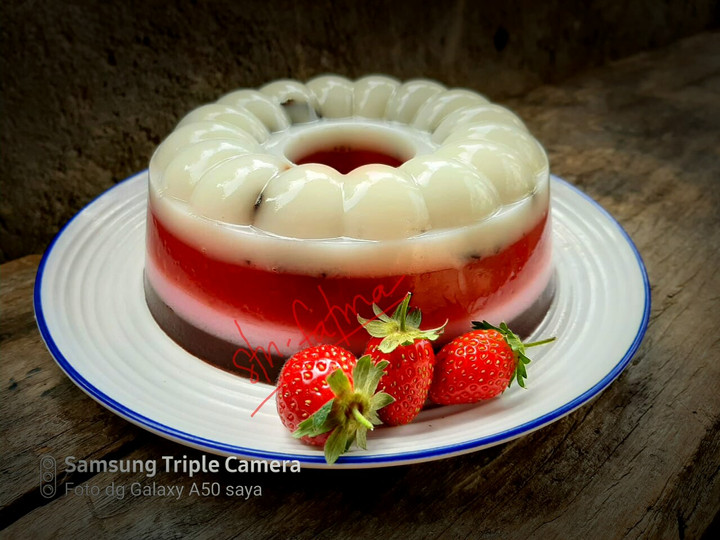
(90, 88)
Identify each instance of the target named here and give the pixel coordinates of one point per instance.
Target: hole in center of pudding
(347, 146)
(346, 158)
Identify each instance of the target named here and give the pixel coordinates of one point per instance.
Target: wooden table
(642, 460)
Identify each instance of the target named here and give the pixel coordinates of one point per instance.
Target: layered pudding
(277, 215)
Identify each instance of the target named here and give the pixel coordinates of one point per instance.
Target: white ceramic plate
(91, 311)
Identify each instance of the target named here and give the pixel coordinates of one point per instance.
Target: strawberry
(399, 341)
(480, 365)
(327, 398)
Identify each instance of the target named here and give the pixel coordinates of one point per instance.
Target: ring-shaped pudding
(276, 215)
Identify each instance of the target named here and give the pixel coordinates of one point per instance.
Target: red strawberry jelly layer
(324, 307)
(345, 159)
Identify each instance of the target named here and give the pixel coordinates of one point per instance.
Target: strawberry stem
(542, 342)
(402, 311)
(360, 418)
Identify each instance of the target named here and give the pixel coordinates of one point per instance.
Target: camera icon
(48, 474)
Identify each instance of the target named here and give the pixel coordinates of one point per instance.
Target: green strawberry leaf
(361, 373)
(380, 314)
(393, 341)
(337, 444)
(339, 383)
(484, 325)
(361, 438)
(319, 423)
(379, 328)
(321, 416)
(373, 417)
(403, 328)
(375, 375)
(380, 400)
(414, 318)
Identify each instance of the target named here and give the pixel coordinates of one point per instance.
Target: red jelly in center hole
(345, 159)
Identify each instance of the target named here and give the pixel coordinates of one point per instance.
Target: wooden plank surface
(640, 461)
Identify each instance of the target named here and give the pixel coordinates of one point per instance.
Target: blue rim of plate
(387, 459)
